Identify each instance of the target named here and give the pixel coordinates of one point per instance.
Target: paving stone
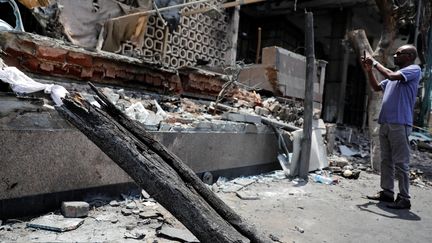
(75, 209)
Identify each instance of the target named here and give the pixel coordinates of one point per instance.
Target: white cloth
(23, 84)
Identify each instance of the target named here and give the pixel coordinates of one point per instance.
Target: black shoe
(382, 196)
(400, 203)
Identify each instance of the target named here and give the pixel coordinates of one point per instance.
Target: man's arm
(387, 73)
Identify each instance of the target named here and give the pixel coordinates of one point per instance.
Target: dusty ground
(290, 210)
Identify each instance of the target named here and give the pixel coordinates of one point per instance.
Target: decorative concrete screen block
(75, 209)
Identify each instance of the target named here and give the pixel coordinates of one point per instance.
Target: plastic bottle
(322, 179)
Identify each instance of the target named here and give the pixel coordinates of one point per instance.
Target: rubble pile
(132, 217)
(158, 112)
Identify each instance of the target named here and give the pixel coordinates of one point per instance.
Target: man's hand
(367, 62)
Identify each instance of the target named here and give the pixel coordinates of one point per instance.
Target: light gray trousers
(395, 155)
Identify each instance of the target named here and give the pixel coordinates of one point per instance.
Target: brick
(75, 209)
(46, 67)
(52, 54)
(79, 59)
(86, 73)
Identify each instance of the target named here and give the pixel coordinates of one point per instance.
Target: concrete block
(75, 209)
(262, 111)
(238, 117)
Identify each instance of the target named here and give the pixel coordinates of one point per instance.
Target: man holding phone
(396, 120)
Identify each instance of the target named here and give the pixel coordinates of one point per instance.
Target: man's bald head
(410, 49)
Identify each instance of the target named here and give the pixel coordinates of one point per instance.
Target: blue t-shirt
(399, 97)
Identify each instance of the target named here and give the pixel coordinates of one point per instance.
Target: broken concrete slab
(56, 223)
(239, 117)
(75, 209)
(149, 214)
(177, 234)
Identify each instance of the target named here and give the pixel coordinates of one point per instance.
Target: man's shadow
(392, 213)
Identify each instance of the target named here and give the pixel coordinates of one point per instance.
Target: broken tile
(247, 195)
(55, 223)
(177, 234)
(149, 214)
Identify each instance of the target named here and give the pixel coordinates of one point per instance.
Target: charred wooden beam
(151, 172)
(187, 175)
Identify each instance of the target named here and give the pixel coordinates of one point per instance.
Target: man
(396, 120)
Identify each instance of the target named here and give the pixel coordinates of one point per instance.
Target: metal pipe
(149, 12)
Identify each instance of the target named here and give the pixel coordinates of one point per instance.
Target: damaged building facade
(201, 76)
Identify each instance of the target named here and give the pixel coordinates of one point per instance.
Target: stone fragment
(149, 214)
(177, 234)
(114, 203)
(126, 212)
(261, 111)
(75, 209)
(136, 234)
(145, 194)
(247, 195)
(131, 205)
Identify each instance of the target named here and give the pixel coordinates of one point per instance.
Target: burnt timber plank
(187, 174)
(151, 172)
